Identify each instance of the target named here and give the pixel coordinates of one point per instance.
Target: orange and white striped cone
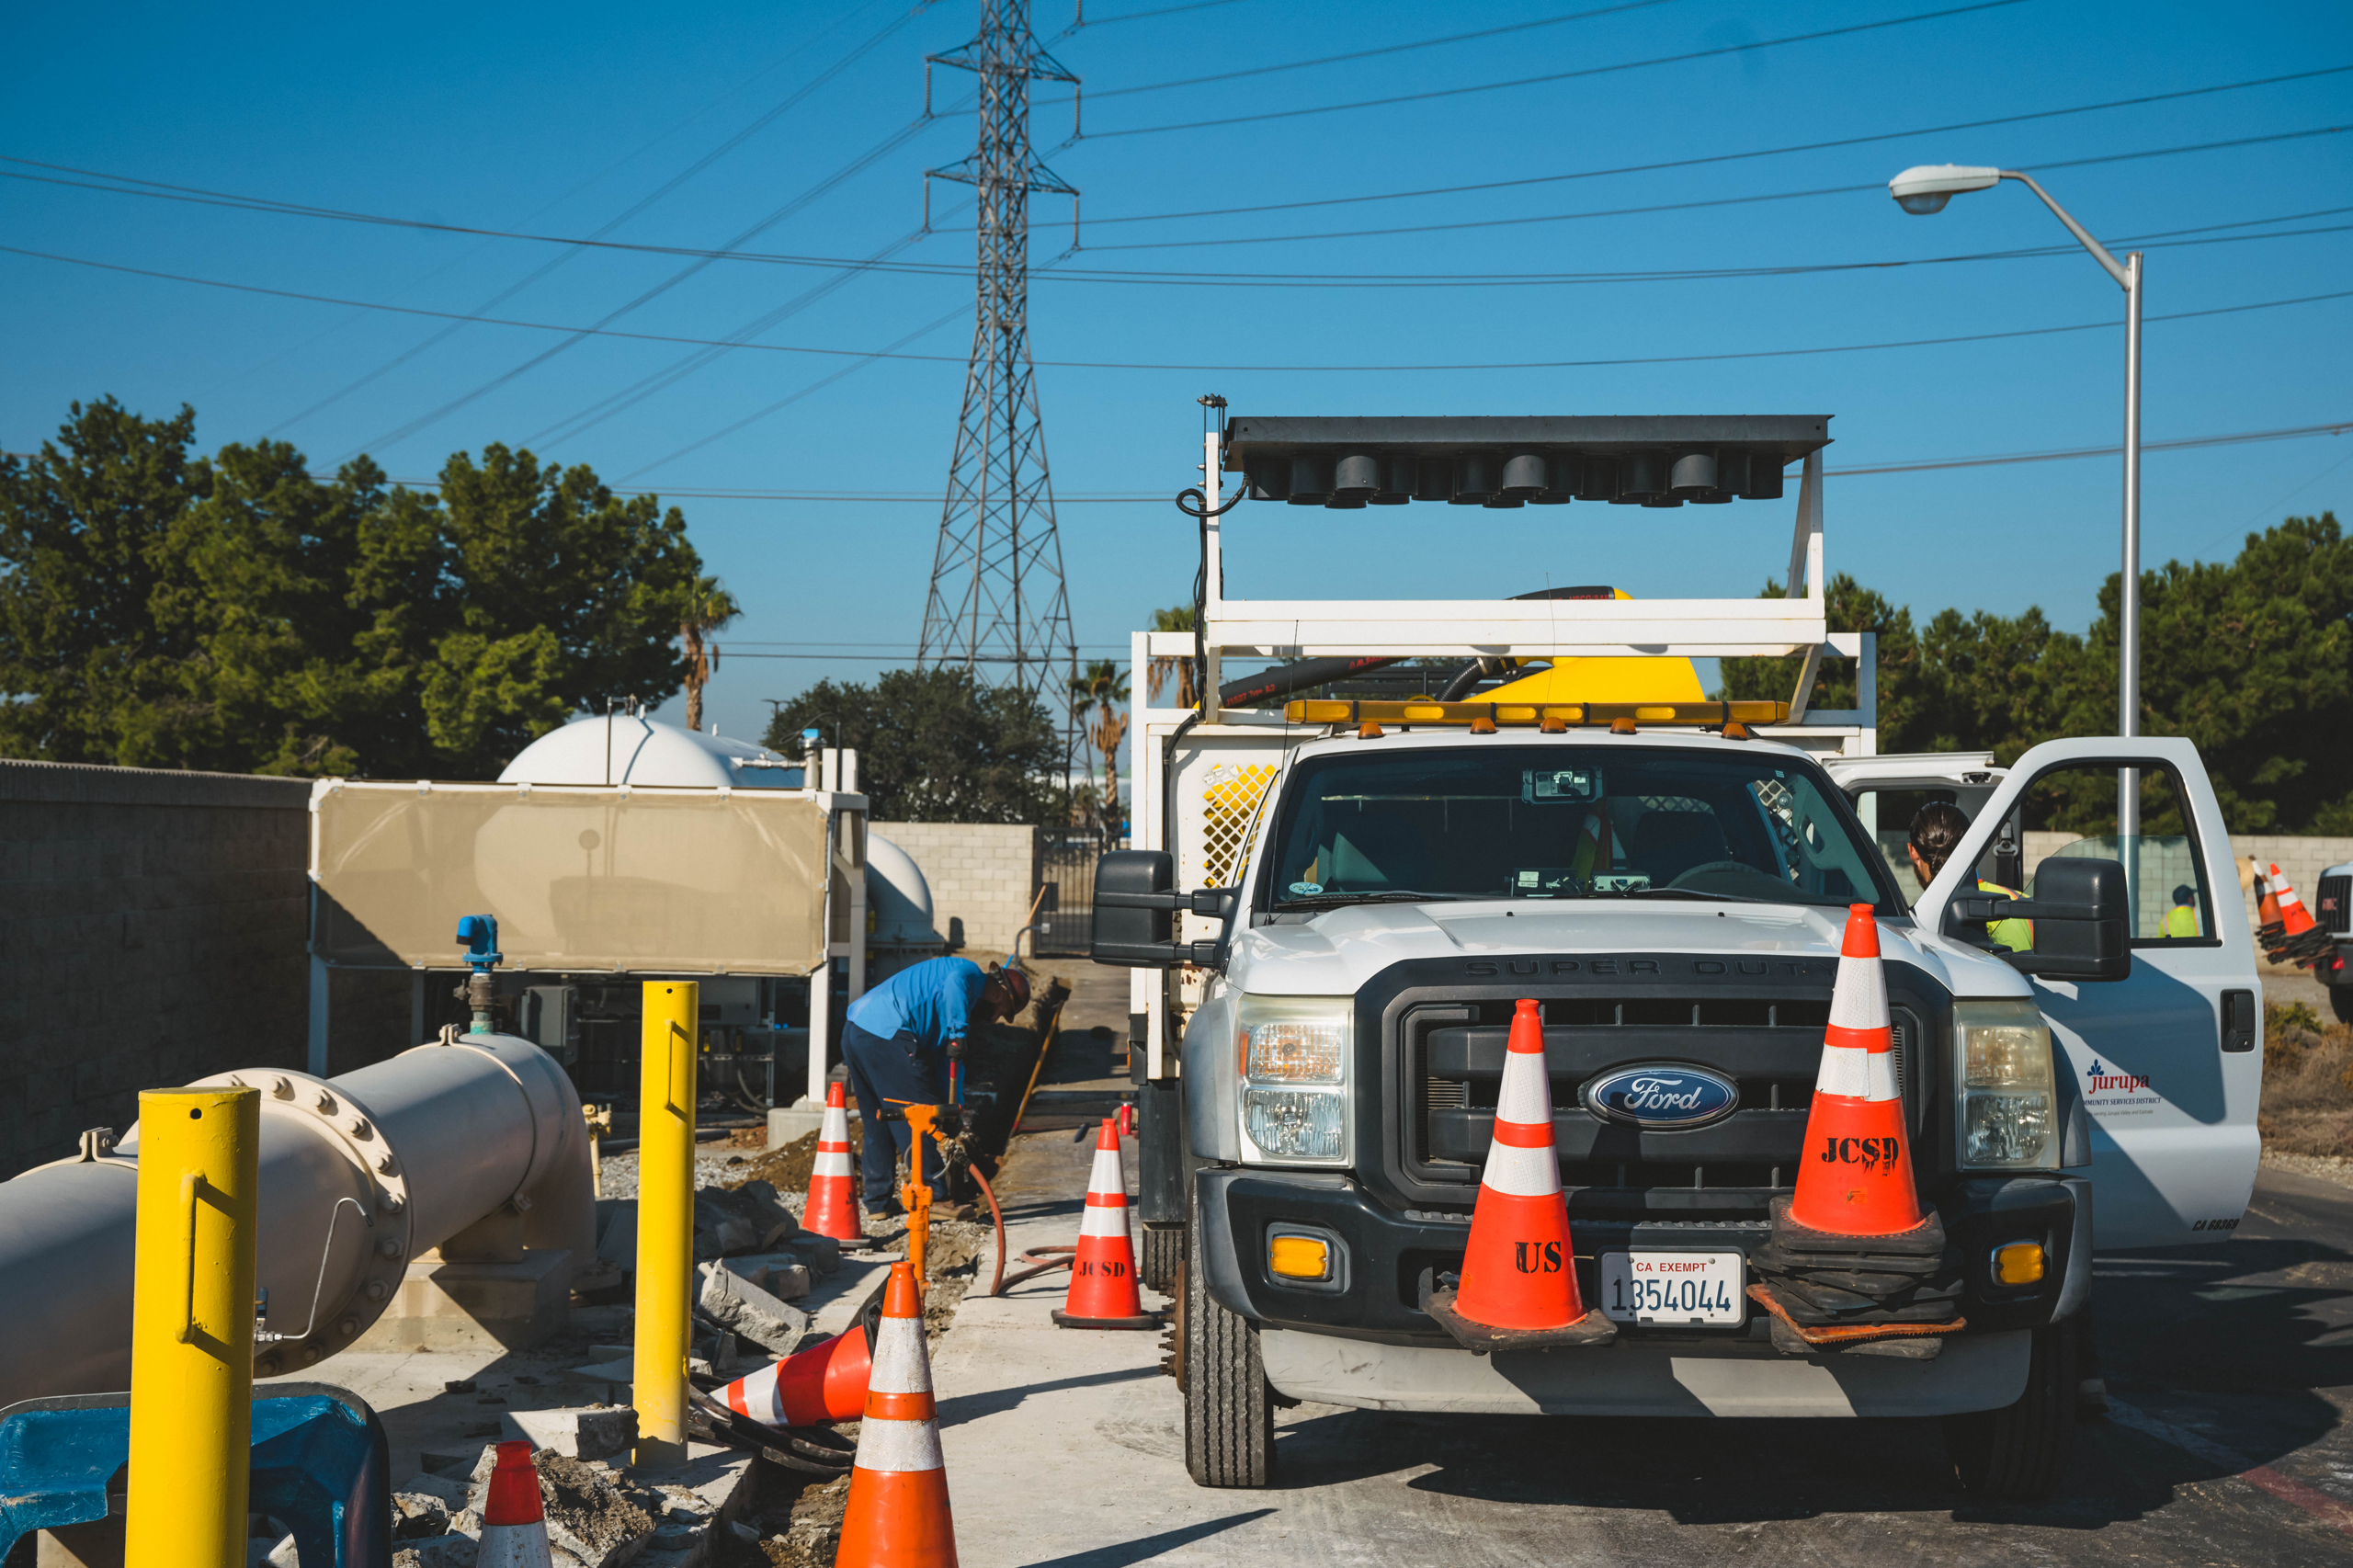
(2301, 936)
(1519, 1287)
(898, 1515)
(1855, 1177)
(825, 1383)
(1103, 1291)
(514, 1525)
(832, 1209)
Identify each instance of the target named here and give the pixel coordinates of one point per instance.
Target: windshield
(1568, 822)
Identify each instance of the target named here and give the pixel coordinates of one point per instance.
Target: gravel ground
(716, 1166)
(2328, 1167)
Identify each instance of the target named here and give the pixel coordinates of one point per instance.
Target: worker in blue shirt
(896, 1042)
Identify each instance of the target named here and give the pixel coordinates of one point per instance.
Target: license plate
(1674, 1290)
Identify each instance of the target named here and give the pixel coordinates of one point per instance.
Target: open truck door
(2161, 1071)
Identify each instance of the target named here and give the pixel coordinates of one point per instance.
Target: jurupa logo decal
(2109, 1091)
(1664, 1096)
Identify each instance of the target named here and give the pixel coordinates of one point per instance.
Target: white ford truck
(1334, 903)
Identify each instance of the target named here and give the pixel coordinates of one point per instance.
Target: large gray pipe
(358, 1175)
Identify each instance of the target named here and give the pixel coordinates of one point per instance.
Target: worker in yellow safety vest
(2182, 920)
(1935, 828)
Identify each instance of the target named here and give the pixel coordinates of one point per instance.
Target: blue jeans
(883, 1071)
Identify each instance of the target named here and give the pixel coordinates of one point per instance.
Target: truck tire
(2016, 1454)
(1229, 1415)
(1162, 1260)
(2340, 1002)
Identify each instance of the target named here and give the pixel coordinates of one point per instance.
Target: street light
(1925, 189)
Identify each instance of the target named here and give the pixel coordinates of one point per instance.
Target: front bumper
(1385, 1257)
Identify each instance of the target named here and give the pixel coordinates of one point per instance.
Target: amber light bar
(1533, 715)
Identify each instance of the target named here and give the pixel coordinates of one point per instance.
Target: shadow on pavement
(1146, 1548)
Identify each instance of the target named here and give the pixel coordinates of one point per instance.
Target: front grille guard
(1647, 1185)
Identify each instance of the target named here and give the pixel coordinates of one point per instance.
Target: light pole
(1926, 190)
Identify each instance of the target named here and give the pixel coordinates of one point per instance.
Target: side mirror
(2083, 925)
(1134, 897)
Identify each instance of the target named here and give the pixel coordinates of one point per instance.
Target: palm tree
(1177, 620)
(1103, 687)
(709, 607)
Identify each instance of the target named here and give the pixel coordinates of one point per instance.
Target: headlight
(1293, 1061)
(2008, 1119)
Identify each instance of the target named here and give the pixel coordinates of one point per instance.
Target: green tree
(709, 607)
(89, 544)
(936, 746)
(1851, 607)
(1097, 697)
(1164, 667)
(236, 613)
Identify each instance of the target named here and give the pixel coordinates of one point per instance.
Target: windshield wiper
(1385, 895)
(1694, 893)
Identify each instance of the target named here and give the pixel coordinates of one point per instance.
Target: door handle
(2238, 1020)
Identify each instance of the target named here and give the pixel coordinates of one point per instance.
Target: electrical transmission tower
(997, 604)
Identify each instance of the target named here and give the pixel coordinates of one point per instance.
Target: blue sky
(558, 120)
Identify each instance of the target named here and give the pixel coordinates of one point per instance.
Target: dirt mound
(2307, 1083)
(786, 1169)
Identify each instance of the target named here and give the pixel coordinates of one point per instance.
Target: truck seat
(1667, 844)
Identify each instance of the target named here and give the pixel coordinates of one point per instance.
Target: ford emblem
(1661, 1096)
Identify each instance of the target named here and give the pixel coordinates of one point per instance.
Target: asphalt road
(2231, 1366)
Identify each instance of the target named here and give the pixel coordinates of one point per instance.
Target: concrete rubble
(734, 1302)
(588, 1432)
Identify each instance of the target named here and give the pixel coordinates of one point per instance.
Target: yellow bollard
(666, 1219)
(192, 1327)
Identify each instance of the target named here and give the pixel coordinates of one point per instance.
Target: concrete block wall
(152, 932)
(983, 876)
(2300, 860)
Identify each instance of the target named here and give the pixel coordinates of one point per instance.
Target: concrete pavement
(2233, 1364)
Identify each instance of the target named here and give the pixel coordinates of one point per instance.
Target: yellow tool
(192, 1327)
(915, 1193)
(666, 1219)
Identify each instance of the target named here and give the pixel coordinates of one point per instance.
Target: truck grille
(2332, 908)
(1769, 1046)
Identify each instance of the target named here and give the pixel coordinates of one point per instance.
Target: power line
(635, 209)
(1373, 53)
(959, 313)
(879, 262)
(1860, 471)
(878, 150)
(580, 332)
(1690, 206)
(1554, 76)
(579, 423)
(1134, 17)
(1095, 219)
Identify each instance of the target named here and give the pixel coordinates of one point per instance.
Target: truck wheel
(1228, 1419)
(1162, 1262)
(2015, 1454)
(2340, 1002)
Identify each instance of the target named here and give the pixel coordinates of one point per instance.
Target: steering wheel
(1702, 870)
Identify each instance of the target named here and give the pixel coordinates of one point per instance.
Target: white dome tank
(645, 752)
(898, 911)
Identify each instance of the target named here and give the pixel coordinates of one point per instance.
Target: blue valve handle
(479, 933)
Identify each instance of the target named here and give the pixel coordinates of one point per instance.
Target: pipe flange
(388, 1242)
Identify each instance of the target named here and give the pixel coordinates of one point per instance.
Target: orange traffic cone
(2301, 936)
(514, 1526)
(1103, 1272)
(825, 1383)
(2267, 902)
(1519, 1272)
(898, 1514)
(832, 1209)
(1855, 1177)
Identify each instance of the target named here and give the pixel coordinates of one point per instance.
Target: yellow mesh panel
(1230, 800)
